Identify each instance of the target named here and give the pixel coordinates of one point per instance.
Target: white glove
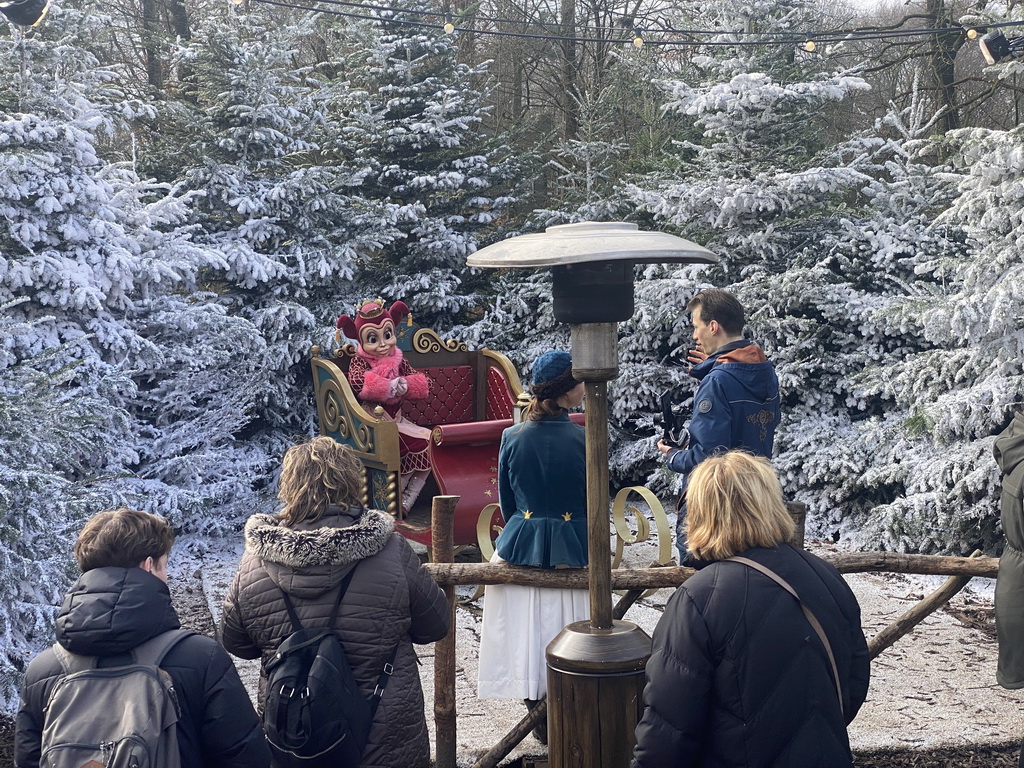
(398, 387)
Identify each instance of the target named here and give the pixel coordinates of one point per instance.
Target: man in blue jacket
(737, 400)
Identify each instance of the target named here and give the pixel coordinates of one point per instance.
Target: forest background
(191, 191)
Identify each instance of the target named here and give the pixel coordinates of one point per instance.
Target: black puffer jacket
(391, 601)
(739, 678)
(107, 613)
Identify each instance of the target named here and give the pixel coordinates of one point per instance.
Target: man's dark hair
(123, 538)
(721, 306)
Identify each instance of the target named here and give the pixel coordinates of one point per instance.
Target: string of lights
(832, 35)
(661, 26)
(808, 41)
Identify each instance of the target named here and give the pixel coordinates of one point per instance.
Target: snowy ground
(935, 687)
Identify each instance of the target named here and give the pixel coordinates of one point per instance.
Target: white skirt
(518, 624)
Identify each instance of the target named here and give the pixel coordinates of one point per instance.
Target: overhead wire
(628, 35)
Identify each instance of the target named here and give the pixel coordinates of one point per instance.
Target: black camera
(673, 422)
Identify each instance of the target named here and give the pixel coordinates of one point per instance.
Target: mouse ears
(369, 313)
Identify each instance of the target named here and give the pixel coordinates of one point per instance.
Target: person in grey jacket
(120, 601)
(738, 676)
(321, 535)
(1009, 598)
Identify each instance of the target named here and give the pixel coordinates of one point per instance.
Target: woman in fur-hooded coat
(306, 551)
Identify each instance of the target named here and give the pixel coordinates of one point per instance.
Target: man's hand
(664, 448)
(697, 355)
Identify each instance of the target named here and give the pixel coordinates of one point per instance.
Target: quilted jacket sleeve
(860, 675)
(428, 607)
(233, 634)
(39, 680)
(860, 661)
(678, 691)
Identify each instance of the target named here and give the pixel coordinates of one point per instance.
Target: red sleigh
(474, 395)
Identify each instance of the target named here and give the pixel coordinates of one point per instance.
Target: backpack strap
(811, 618)
(152, 652)
(73, 662)
(382, 681)
(332, 620)
(389, 666)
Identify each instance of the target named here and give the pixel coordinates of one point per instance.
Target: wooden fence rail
(449, 574)
(455, 574)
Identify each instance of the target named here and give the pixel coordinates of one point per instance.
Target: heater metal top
(590, 241)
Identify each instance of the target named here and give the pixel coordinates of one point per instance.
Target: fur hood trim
(270, 541)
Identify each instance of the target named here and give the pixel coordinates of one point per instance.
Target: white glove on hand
(398, 387)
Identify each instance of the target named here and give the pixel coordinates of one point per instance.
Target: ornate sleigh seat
(473, 397)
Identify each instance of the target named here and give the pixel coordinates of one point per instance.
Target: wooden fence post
(918, 613)
(443, 551)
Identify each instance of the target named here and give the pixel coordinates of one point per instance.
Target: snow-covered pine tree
(283, 208)
(418, 130)
(89, 247)
(757, 178)
(857, 446)
(86, 245)
(51, 430)
(957, 378)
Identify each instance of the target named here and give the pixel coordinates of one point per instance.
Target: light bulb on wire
(809, 46)
(449, 26)
(638, 39)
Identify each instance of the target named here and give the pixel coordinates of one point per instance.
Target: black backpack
(315, 715)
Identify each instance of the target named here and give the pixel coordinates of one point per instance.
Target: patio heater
(595, 667)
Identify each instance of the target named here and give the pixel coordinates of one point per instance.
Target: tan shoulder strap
(811, 618)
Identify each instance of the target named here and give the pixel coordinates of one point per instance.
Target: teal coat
(1009, 453)
(542, 490)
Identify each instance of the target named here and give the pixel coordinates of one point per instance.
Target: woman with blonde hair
(323, 539)
(759, 659)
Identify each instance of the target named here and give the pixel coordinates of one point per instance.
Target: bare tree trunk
(942, 57)
(150, 38)
(179, 20)
(509, 102)
(570, 102)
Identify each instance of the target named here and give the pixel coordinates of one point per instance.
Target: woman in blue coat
(542, 492)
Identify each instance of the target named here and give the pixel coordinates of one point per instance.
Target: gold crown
(370, 314)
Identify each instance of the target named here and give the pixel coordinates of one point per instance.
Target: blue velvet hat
(551, 365)
(552, 375)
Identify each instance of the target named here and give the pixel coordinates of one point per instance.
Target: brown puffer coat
(391, 600)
